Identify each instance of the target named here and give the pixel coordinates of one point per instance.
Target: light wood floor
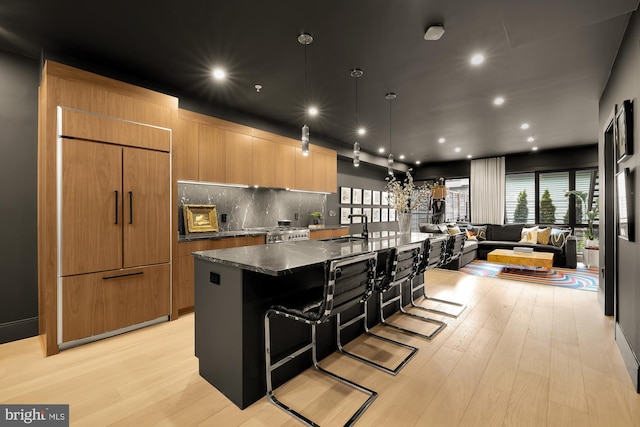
(520, 355)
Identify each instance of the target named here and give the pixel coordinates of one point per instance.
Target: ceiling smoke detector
(434, 32)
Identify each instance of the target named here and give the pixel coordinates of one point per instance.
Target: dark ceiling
(550, 59)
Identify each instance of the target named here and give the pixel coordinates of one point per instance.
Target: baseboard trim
(629, 357)
(18, 329)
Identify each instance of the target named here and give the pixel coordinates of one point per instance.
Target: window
(553, 207)
(587, 185)
(457, 202)
(520, 198)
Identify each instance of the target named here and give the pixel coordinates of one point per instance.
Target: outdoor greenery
(522, 211)
(547, 209)
(592, 213)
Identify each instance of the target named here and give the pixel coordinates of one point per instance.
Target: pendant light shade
(390, 97)
(355, 73)
(305, 140)
(305, 39)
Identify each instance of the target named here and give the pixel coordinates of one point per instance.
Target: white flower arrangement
(404, 196)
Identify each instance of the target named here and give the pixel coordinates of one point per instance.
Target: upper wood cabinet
(230, 153)
(319, 169)
(212, 164)
(186, 150)
(331, 178)
(264, 162)
(285, 166)
(304, 170)
(239, 158)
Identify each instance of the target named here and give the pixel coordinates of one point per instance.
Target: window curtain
(487, 191)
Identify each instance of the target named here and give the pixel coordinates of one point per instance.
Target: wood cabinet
(239, 158)
(304, 170)
(327, 234)
(183, 280)
(115, 205)
(212, 166)
(319, 171)
(185, 151)
(264, 162)
(102, 302)
(285, 166)
(230, 153)
(104, 209)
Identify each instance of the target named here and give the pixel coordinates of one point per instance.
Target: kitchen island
(235, 287)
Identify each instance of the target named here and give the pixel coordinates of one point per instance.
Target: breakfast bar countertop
(286, 258)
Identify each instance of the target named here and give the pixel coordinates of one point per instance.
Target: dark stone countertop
(192, 237)
(284, 258)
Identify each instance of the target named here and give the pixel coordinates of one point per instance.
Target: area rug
(580, 278)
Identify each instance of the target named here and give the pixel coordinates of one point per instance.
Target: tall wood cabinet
(114, 203)
(104, 206)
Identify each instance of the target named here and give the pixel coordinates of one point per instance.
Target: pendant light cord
(390, 101)
(304, 100)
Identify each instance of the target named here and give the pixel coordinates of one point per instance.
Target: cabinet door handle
(130, 207)
(139, 273)
(116, 198)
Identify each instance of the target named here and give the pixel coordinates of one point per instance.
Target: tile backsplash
(250, 207)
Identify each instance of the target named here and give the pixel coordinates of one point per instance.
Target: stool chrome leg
(398, 299)
(311, 346)
(428, 298)
(363, 316)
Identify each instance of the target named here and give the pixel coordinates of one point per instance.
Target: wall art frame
(623, 131)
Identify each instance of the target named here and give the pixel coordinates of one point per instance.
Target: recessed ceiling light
(380, 150)
(362, 131)
(441, 140)
(534, 148)
(477, 59)
(498, 101)
(524, 126)
(401, 157)
(219, 74)
(313, 111)
(457, 149)
(531, 139)
(417, 162)
(469, 156)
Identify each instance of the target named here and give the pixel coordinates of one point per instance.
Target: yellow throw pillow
(529, 235)
(454, 230)
(543, 235)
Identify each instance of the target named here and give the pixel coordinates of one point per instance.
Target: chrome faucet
(365, 231)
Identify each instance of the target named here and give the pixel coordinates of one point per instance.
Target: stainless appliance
(283, 234)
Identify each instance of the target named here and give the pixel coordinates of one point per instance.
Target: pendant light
(355, 73)
(390, 97)
(305, 39)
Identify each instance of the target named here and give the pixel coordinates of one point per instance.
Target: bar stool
(363, 317)
(435, 253)
(402, 262)
(348, 281)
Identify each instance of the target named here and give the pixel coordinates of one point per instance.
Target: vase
(404, 222)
